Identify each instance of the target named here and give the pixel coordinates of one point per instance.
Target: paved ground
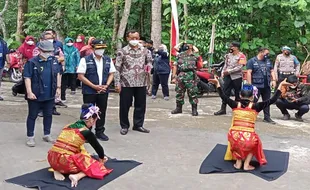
(171, 154)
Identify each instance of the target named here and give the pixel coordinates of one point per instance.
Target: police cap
(98, 44)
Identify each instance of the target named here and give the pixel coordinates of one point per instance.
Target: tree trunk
(123, 23)
(82, 4)
(59, 28)
(2, 23)
(156, 23)
(186, 21)
(22, 10)
(116, 20)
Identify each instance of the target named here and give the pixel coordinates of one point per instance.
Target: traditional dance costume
(241, 136)
(68, 155)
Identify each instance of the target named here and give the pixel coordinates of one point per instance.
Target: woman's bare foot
(248, 168)
(58, 176)
(238, 164)
(74, 180)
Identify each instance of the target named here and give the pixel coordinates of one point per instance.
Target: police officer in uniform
(286, 64)
(96, 71)
(185, 78)
(259, 74)
(232, 73)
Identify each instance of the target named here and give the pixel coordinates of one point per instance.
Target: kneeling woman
(244, 143)
(68, 155)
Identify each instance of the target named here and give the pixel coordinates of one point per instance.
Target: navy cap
(99, 43)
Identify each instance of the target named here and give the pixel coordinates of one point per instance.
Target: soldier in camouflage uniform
(185, 78)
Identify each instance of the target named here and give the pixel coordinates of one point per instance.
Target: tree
(116, 19)
(2, 23)
(156, 22)
(123, 23)
(22, 10)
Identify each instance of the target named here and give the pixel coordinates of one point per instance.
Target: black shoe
(1, 99)
(269, 120)
(298, 117)
(141, 129)
(194, 110)
(220, 112)
(102, 136)
(178, 109)
(14, 93)
(124, 131)
(55, 112)
(60, 104)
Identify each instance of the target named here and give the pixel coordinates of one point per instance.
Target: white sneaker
(48, 138)
(30, 142)
(166, 98)
(153, 97)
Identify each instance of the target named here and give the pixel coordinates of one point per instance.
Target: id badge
(1, 54)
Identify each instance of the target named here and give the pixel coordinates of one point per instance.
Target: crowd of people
(50, 68)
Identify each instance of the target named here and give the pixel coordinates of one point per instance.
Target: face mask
(69, 44)
(45, 55)
(51, 40)
(30, 43)
(231, 50)
(287, 53)
(266, 56)
(99, 52)
(134, 43)
(78, 40)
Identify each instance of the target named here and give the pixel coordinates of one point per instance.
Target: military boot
(178, 109)
(222, 111)
(194, 110)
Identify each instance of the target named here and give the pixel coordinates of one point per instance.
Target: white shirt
(99, 64)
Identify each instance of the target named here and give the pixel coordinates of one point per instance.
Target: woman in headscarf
(68, 155)
(87, 50)
(26, 49)
(72, 60)
(79, 44)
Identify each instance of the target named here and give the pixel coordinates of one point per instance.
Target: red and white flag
(174, 35)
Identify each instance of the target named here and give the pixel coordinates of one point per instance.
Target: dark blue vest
(259, 74)
(37, 81)
(92, 75)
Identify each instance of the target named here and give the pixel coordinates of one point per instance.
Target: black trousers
(67, 79)
(101, 100)
(232, 84)
(265, 93)
(161, 79)
(126, 97)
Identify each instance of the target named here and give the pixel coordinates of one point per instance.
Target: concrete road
(171, 153)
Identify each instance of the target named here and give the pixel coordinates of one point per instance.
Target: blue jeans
(33, 110)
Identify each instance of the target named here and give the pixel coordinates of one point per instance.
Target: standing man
(133, 63)
(185, 77)
(259, 74)
(4, 51)
(96, 72)
(42, 80)
(232, 73)
(286, 64)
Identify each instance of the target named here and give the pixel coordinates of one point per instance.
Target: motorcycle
(204, 86)
(15, 67)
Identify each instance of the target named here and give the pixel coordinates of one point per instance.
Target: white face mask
(99, 52)
(51, 40)
(134, 43)
(30, 43)
(78, 40)
(69, 44)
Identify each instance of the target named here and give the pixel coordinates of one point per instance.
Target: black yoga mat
(44, 180)
(277, 164)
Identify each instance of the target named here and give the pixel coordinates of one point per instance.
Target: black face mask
(266, 56)
(231, 50)
(287, 53)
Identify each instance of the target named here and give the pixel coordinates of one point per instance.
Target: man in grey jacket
(232, 73)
